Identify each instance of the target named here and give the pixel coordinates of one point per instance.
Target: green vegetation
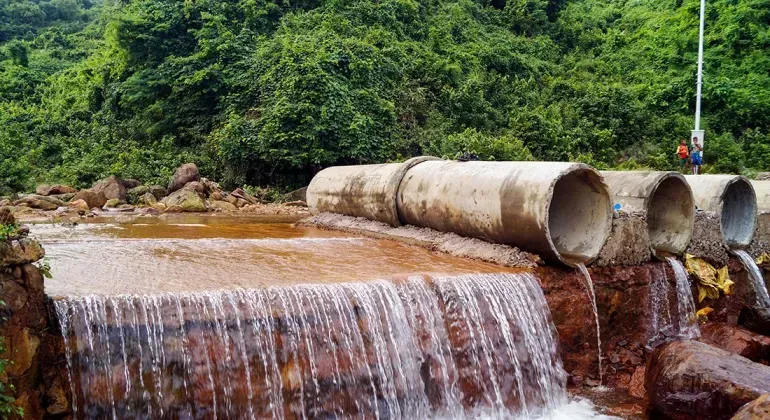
(268, 92)
(7, 231)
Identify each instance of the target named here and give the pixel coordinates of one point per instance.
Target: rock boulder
(131, 183)
(184, 174)
(148, 199)
(111, 203)
(691, 379)
(158, 191)
(735, 339)
(22, 251)
(54, 189)
(196, 187)
(39, 202)
(755, 410)
(92, 198)
(134, 194)
(6, 216)
(184, 201)
(223, 206)
(755, 319)
(112, 187)
(80, 205)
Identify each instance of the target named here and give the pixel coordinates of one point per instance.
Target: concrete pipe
(360, 190)
(762, 189)
(558, 210)
(667, 201)
(732, 198)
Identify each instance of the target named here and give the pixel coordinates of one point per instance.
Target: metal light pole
(697, 132)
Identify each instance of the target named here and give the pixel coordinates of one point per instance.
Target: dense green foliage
(268, 92)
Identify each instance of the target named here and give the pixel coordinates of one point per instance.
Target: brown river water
(198, 253)
(246, 317)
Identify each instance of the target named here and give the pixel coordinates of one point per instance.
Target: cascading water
(443, 347)
(756, 278)
(592, 296)
(661, 324)
(688, 323)
(683, 323)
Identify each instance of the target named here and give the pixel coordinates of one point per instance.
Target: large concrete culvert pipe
(762, 190)
(667, 201)
(732, 198)
(367, 191)
(558, 210)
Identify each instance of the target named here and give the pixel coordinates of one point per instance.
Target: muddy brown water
(195, 253)
(198, 253)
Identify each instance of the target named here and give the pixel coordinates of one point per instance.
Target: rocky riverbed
(186, 192)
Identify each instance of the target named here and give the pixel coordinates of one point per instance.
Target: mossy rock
(186, 201)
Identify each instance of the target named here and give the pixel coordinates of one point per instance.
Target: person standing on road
(696, 156)
(683, 155)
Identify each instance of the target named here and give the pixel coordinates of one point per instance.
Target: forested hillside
(270, 91)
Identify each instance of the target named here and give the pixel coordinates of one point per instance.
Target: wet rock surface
(707, 241)
(628, 243)
(755, 410)
(622, 299)
(35, 368)
(449, 243)
(755, 319)
(690, 379)
(738, 340)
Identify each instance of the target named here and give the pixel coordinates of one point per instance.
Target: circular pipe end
(738, 212)
(670, 212)
(579, 215)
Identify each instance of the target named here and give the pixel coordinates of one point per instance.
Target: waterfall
(479, 345)
(592, 297)
(688, 323)
(756, 278)
(662, 322)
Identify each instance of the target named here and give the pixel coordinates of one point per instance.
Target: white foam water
(445, 347)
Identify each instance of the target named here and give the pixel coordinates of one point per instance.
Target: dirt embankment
(628, 244)
(706, 239)
(449, 243)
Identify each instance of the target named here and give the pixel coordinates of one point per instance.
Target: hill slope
(260, 91)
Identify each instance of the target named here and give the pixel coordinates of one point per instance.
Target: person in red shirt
(684, 155)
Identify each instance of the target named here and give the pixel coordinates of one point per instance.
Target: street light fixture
(697, 132)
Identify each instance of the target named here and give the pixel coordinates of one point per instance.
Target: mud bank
(449, 243)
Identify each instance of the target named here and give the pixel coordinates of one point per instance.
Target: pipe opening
(670, 215)
(579, 216)
(739, 213)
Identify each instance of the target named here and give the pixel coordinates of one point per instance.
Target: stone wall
(35, 368)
